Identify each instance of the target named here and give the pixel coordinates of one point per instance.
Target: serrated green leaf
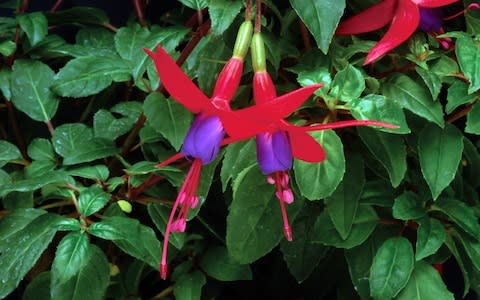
(468, 54)
(326, 234)
(167, 117)
(389, 150)
(425, 284)
(431, 80)
(31, 81)
(343, 203)
(90, 282)
(391, 268)
(72, 254)
(132, 237)
(98, 172)
(105, 125)
(7, 48)
(35, 25)
(457, 95)
(34, 183)
(380, 108)
(440, 151)
(222, 13)
(254, 224)
(348, 84)
(238, 157)
(330, 172)
(92, 199)
(21, 250)
(41, 149)
(472, 247)
(189, 286)
(217, 264)
(460, 213)
(85, 76)
(430, 237)
(8, 152)
(321, 18)
(414, 97)
(195, 4)
(16, 220)
(473, 120)
(408, 206)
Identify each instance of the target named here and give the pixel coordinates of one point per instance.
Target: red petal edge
(370, 19)
(433, 3)
(305, 147)
(178, 85)
(404, 23)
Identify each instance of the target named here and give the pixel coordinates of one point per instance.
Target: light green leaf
(319, 180)
(468, 54)
(72, 254)
(348, 84)
(321, 18)
(31, 81)
(473, 120)
(430, 236)
(389, 150)
(41, 149)
(34, 183)
(98, 172)
(222, 13)
(5, 85)
(414, 97)
(160, 214)
(189, 286)
(92, 199)
(440, 151)
(105, 125)
(432, 81)
(7, 48)
(8, 152)
(35, 25)
(391, 268)
(460, 213)
(238, 157)
(457, 95)
(195, 4)
(408, 206)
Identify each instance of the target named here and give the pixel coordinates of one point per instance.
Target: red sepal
(405, 22)
(433, 3)
(263, 88)
(178, 85)
(372, 18)
(228, 81)
(305, 147)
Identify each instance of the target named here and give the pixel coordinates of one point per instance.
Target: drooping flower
(277, 141)
(404, 17)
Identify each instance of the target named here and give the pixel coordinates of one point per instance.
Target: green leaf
(363, 225)
(254, 224)
(34, 183)
(195, 4)
(79, 14)
(85, 76)
(105, 125)
(41, 149)
(473, 120)
(217, 264)
(16, 220)
(408, 206)
(7, 48)
(330, 171)
(75, 142)
(222, 13)
(440, 151)
(98, 172)
(414, 97)
(132, 237)
(90, 282)
(430, 236)
(461, 260)
(238, 157)
(92, 199)
(389, 150)
(321, 18)
(31, 81)
(38, 288)
(472, 248)
(189, 286)
(209, 62)
(302, 255)
(8, 152)
(380, 108)
(72, 254)
(160, 214)
(167, 117)
(5, 85)
(391, 268)
(460, 213)
(432, 81)
(20, 251)
(468, 54)
(425, 284)
(348, 84)
(457, 95)
(378, 192)
(343, 203)
(35, 25)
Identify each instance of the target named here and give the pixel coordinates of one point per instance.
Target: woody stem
(258, 16)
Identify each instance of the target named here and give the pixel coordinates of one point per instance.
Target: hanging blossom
(277, 141)
(404, 16)
(206, 135)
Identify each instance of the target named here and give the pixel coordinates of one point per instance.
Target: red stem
(56, 5)
(258, 16)
(139, 11)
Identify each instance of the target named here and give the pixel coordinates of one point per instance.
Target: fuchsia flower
(277, 141)
(404, 16)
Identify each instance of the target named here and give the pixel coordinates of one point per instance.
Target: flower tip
(287, 231)
(163, 271)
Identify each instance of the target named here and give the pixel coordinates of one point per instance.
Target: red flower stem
(258, 16)
(50, 127)
(56, 5)
(139, 11)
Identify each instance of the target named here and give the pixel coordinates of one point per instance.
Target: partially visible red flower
(404, 18)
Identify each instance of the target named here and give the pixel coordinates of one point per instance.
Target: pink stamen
(270, 180)
(169, 160)
(288, 196)
(287, 230)
(471, 6)
(186, 196)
